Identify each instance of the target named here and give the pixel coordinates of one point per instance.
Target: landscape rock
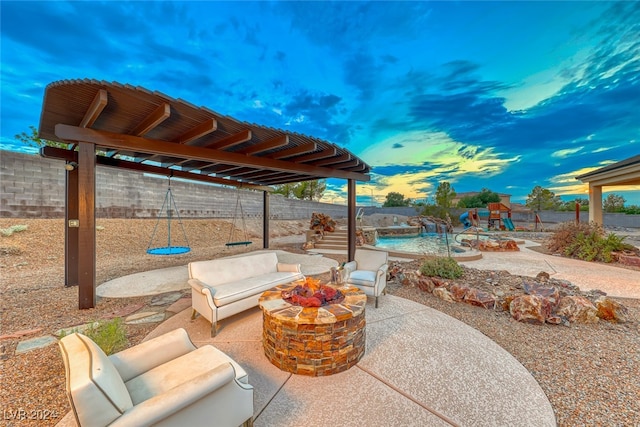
(530, 309)
(551, 293)
(480, 298)
(577, 309)
(443, 294)
(322, 222)
(543, 276)
(611, 310)
(426, 284)
(458, 292)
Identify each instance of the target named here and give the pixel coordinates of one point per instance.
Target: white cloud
(566, 152)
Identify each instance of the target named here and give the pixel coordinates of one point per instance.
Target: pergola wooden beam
(158, 116)
(270, 144)
(295, 151)
(94, 111)
(204, 128)
(163, 148)
(316, 156)
(72, 156)
(231, 140)
(334, 160)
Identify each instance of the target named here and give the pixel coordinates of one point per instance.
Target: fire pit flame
(312, 294)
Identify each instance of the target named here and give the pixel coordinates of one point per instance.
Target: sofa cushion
(362, 277)
(97, 391)
(179, 371)
(223, 270)
(240, 289)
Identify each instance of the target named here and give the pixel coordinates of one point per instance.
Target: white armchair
(368, 271)
(165, 381)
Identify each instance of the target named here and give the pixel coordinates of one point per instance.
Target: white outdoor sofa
(165, 381)
(226, 286)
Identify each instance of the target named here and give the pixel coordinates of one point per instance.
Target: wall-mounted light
(70, 166)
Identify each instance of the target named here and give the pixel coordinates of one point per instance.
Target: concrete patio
(421, 368)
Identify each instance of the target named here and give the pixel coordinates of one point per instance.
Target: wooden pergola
(625, 172)
(122, 126)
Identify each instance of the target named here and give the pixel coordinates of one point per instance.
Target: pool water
(430, 243)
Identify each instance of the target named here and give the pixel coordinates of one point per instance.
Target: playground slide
(508, 224)
(464, 219)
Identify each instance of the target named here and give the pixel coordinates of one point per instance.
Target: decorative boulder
(439, 282)
(458, 292)
(322, 222)
(426, 284)
(611, 310)
(443, 294)
(551, 293)
(530, 309)
(480, 299)
(577, 309)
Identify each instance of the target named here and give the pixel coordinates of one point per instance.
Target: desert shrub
(585, 241)
(447, 268)
(6, 232)
(109, 335)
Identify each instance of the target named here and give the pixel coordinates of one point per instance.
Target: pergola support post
(265, 219)
(86, 225)
(351, 219)
(70, 228)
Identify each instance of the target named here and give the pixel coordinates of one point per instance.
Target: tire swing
(230, 241)
(168, 206)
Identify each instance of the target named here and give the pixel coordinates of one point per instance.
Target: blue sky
(498, 95)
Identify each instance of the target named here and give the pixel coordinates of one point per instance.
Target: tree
(395, 199)
(542, 199)
(480, 200)
(613, 203)
(306, 190)
(445, 194)
(285, 189)
(32, 139)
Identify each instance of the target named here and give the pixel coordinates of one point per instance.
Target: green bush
(447, 268)
(109, 335)
(585, 241)
(6, 232)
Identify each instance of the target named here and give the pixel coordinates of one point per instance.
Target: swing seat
(169, 250)
(238, 243)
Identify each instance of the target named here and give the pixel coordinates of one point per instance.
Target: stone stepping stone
(144, 317)
(124, 311)
(35, 343)
(165, 299)
(20, 334)
(180, 305)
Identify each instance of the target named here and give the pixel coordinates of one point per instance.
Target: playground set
(497, 215)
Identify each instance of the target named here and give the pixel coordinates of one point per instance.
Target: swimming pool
(426, 243)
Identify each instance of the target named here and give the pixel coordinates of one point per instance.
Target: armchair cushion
(362, 277)
(172, 374)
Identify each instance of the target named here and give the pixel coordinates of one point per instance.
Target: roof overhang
(137, 129)
(625, 172)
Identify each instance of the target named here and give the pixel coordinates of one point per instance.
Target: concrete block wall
(34, 187)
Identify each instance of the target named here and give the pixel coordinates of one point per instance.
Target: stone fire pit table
(315, 341)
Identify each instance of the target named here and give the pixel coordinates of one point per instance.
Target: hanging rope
(246, 240)
(170, 205)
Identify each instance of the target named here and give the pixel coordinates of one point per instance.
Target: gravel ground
(589, 372)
